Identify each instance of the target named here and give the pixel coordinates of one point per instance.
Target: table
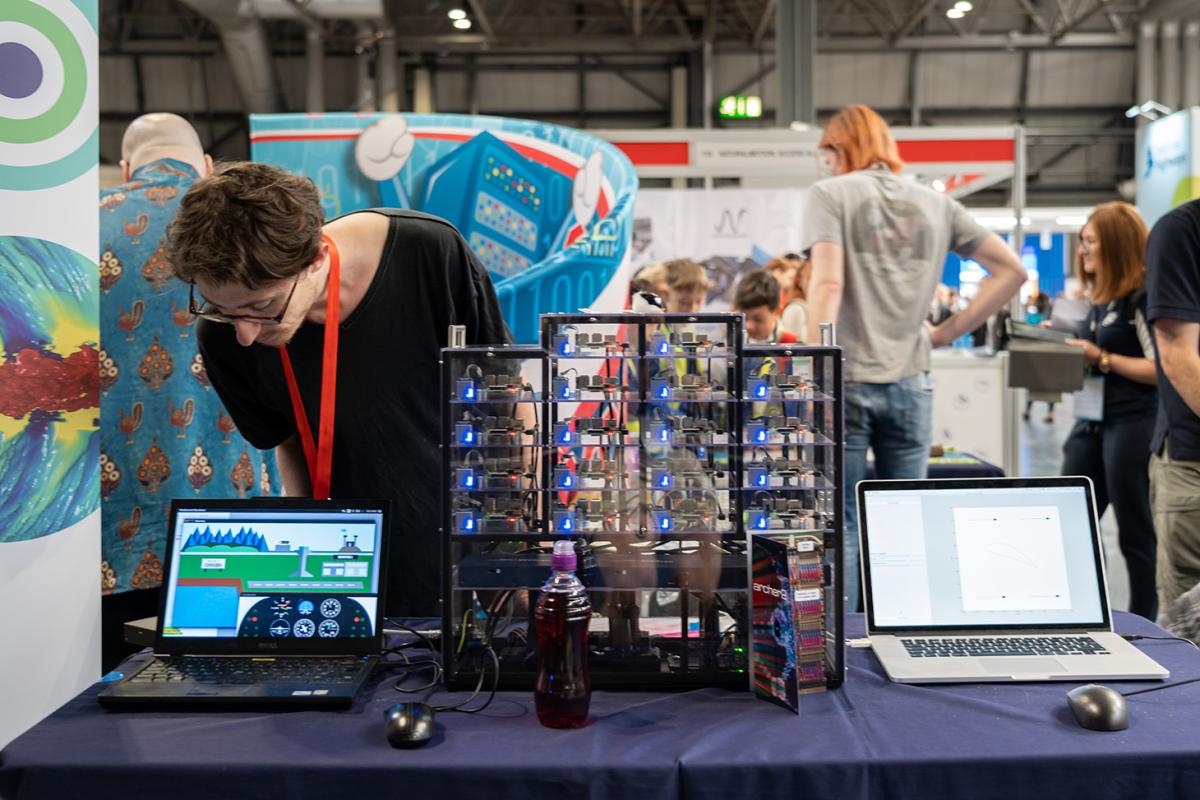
(953, 465)
(872, 738)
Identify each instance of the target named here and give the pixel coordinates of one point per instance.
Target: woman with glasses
(878, 242)
(1110, 440)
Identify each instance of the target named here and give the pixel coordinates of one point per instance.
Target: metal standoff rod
(828, 335)
(457, 336)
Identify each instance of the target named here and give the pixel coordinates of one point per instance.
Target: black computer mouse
(408, 724)
(1099, 708)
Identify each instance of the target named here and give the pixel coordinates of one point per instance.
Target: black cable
(412, 666)
(1132, 637)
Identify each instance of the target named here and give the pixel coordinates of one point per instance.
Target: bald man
(159, 136)
(163, 430)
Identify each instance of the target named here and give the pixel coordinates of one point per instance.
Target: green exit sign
(740, 106)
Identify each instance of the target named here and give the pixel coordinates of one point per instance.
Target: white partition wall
(49, 363)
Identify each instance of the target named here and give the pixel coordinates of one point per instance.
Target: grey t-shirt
(895, 234)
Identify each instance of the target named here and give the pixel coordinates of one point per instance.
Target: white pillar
(386, 73)
(1190, 93)
(1169, 73)
(679, 110)
(422, 91)
(1147, 60)
(314, 63)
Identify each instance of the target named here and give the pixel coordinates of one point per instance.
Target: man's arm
(825, 288)
(1179, 355)
(293, 469)
(1005, 276)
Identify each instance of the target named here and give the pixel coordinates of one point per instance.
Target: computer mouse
(408, 724)
(1099, 708)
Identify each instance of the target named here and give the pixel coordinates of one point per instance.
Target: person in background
(784, 272)
(755, 297)
(650, 278)
(1037, 312)
(687, 286)
(1173, 308)
(794, 314)
(163, 431)
(877, 245)
(647, 289)
(942, 307)
(1116, 345)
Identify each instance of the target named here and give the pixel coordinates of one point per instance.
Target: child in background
(687, 286)
(757, 296)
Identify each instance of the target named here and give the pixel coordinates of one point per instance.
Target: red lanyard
(320, 457)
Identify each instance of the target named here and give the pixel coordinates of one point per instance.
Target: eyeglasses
(206, 311)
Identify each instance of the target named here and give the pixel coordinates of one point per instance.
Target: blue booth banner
(548, 210)
(1168, 163)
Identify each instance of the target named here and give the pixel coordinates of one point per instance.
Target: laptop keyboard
(1004, 646)
(240, 671)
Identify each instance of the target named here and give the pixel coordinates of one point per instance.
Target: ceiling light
(964, 6)
(1071, 220)
(462, 24)
(938, 186)
(456, 14)
(954, 13)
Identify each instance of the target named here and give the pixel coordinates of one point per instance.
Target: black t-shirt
(1173, 290)
(1120, 327)
(387, 420)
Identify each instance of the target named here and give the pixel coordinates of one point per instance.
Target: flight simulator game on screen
(295, 573)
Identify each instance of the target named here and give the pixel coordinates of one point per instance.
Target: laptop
(265, 602)
(989, 579)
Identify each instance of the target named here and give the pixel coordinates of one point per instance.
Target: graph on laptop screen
(972, 557)
(277, 573)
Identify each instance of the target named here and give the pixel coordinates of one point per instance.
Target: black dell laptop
(265, 602)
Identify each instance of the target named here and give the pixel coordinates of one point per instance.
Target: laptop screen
(990, 554)
(291, 575)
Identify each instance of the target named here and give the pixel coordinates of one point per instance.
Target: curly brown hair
(246, 223)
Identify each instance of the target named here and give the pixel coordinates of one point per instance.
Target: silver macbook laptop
(989, 580)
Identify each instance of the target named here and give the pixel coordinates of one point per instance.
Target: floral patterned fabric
(164, 432)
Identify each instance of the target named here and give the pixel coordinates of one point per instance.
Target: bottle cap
(563, 557)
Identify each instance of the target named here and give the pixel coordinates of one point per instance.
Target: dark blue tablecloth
(976, 468)
(871, 738)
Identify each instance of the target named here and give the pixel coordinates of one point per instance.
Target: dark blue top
(1173, 292)
(1120, 327)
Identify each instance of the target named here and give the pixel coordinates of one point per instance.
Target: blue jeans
(895, 420)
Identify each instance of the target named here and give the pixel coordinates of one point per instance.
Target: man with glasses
(163, 432)
(306, 322)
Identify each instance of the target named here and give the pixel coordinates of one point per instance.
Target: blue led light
(759, 476)
(465, 433)
(563, 345)
(757, 433)
(660, 389)
(563, 434)
(564, 478)
(466, 389)
(664, 522)
(758, 389)
(759, 521)
(562, 389)
(564, 521)
(659, 345)
(467, 523)
(662, 479)
(466, 478)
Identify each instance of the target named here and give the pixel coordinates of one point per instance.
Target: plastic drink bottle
(563, 689)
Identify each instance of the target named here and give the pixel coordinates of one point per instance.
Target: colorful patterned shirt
(164, 432)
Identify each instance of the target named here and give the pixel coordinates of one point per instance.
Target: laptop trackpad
(1022, 665)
